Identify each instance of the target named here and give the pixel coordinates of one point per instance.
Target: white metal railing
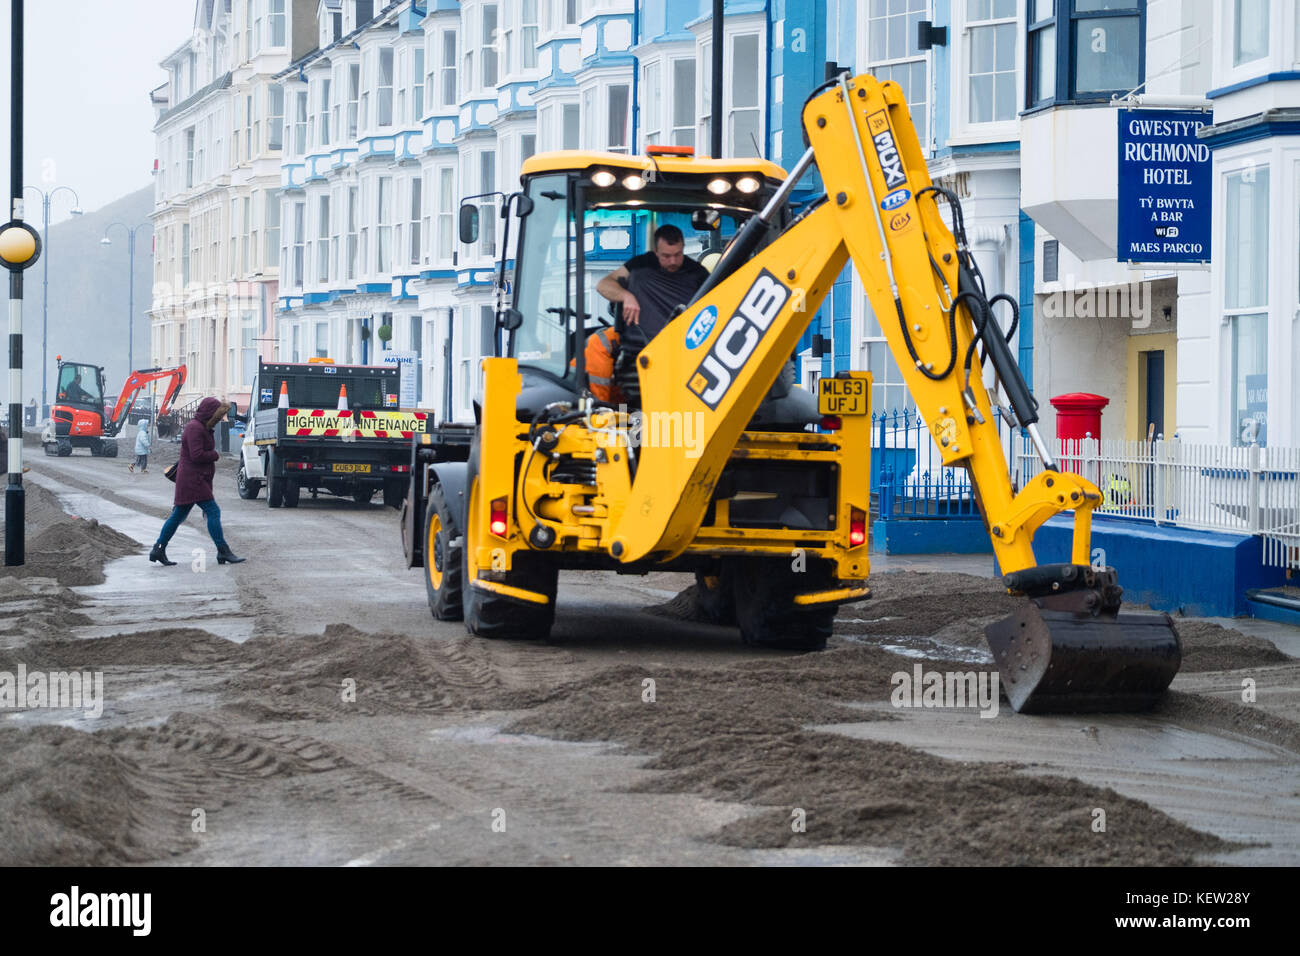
(1245, 490)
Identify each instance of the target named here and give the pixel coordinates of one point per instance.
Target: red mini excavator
(79, 419)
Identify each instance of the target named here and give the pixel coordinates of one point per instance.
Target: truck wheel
(764, 590)
(108, 448)
(714, 597)
(51, 448)
(248, 488)
(65, 448)
(443, 560)
(363, 494)
(492, 615)
(291, 492)
(394, 492)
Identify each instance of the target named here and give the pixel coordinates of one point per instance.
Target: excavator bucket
(1071, 650)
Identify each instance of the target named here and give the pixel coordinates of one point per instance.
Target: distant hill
(88, 294)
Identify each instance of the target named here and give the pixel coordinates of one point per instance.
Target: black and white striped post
(20, 247)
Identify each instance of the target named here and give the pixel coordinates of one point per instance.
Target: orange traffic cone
(284, 394)
(343, 398)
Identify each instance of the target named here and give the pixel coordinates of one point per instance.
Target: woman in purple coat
(194, 474)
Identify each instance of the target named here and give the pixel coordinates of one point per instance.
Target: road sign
(1164, 187)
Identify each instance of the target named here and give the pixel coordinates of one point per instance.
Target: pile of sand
(741, 733)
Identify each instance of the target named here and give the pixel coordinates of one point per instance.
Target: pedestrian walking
(194, 473)
(143, 442)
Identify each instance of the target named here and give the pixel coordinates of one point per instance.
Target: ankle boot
(226, 556)
(159, 554)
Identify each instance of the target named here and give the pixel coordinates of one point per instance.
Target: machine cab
(81, 385)
(615, 203)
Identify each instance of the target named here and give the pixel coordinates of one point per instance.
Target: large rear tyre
(292, 491)
(108, 448)
(65, 448)
(492, 615)
(362, 494)
(444, 563)
(764, 590)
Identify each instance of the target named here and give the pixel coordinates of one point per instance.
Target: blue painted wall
(1026, 331)
(1200, 573)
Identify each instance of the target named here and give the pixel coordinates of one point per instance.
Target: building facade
(336, 235)
(404, 109)
(216, 219)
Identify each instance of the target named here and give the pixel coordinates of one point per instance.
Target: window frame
(1065, 19)
(963, 129)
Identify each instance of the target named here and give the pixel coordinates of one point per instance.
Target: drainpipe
(715, 131)
(636, 76)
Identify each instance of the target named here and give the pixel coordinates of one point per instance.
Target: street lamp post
(130, 246)
(46, 198)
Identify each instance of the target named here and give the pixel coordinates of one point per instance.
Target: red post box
(1078, 415)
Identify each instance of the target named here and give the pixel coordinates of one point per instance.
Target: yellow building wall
(1135, 407)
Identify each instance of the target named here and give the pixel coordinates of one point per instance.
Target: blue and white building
(402, 109)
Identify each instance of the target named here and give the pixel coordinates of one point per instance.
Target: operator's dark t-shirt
(659, 292)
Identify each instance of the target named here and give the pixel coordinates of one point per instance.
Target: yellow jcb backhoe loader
(711, 466)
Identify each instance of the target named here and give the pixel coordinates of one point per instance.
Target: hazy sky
(90, 65)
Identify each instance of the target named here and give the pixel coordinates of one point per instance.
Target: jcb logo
(740, 336)
(891, 164)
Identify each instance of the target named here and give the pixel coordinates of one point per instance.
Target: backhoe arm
(882, 212)
(131, 390)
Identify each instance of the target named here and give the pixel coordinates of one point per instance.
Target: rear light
(298, 465)
(402, 468)
(857, 527)
(498, 517)
(831, 423)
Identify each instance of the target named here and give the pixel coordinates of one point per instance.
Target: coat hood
(206, 409)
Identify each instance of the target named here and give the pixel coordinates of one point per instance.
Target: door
(1153, 364)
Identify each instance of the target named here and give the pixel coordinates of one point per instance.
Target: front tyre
(247, 487)
(444, 564)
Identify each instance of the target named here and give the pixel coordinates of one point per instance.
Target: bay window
(528, 33)
(354, 91)
(651, 110)
(384, 222)
(1246, 253)
(417, 87)
(275, 116)
(413, 236)
(489, 43)
(384, 97)
(620, 115)
(1249, 30)
(683, 104)
(448, 68)
(744, 124)
(446, 212)
(1083, 50)
(323, 240)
